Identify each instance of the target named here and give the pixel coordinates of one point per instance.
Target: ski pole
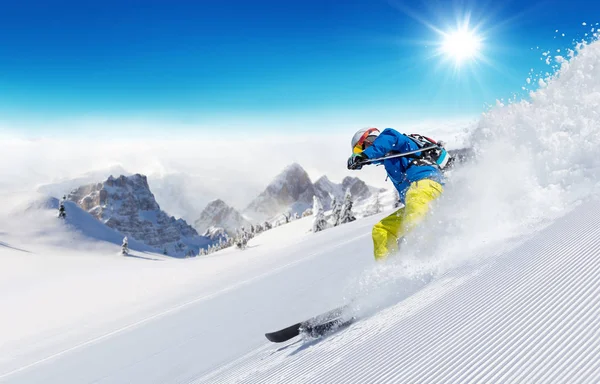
(399, 154)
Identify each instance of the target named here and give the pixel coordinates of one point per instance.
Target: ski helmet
(359, 138)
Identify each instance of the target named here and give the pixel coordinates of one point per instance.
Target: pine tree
(62, 213)
(125, 247)
(241, 239)
(336, 212)
(319, 222)
(376, 207)
(347, 215)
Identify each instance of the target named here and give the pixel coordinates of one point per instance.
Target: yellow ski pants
(387, 232)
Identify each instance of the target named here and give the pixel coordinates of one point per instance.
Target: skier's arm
(388, 141)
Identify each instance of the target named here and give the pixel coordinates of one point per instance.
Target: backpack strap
(425, 157)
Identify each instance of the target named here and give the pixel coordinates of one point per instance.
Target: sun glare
(461, 45)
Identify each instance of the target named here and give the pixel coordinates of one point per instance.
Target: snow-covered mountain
(216, 234)
(127, 205)
(325, 188)
(358, 188)
(218, 214)
(292, 191)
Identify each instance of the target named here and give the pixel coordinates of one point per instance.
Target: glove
(356, 161)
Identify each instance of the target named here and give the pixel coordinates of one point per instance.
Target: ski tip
(276, 337)
(272, 338)
(284, 334)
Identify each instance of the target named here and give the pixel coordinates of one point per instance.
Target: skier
(418, 179)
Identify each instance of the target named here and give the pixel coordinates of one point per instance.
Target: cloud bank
(186, 171)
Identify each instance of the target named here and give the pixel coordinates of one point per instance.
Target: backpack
(437, 157)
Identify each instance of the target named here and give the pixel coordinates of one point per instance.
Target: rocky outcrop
(291, 191)
(218, 214)
(358, 188)
(127, 205)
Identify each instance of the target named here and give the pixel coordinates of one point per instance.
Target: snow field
(530, 316)
(65, 304)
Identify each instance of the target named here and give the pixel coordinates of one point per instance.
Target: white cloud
(209, 164)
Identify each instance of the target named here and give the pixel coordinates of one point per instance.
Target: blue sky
(231, 61)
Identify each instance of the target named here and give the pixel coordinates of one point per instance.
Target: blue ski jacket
(400, 170)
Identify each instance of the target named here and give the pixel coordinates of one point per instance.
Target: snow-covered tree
(319, 222)
(62, 213)
(125, 247)
(336, 212)
(347, 215)
(375, 207)
(241, 239)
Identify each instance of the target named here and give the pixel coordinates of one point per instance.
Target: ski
(284, 334)
(318, 330)
(314, 327)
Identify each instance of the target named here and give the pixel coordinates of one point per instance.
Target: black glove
(356, 161)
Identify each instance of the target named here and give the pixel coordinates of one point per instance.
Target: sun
(461, 45)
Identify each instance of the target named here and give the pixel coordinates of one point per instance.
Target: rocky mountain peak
(358, 188)
(218, 203)
(218, 214)
(293, 178)
(126, 204)
(323, 180)
(291, 190)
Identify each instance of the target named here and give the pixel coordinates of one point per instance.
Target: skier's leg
(385, 235)
(395, 226)
(418, 198)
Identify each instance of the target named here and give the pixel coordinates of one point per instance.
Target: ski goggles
(366, 139)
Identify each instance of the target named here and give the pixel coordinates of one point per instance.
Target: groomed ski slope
(532, 315)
